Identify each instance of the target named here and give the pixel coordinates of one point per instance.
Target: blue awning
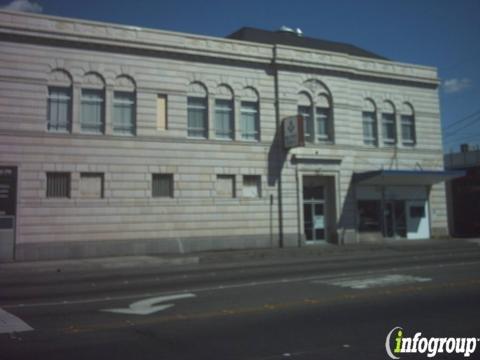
(405, 177)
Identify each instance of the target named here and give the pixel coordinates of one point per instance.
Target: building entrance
(314, 210)
(8, 201)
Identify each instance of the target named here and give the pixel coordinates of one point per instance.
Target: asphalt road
(337, 308)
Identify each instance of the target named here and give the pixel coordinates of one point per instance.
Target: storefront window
(369, 215)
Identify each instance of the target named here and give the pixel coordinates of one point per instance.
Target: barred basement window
(58, 185)
(251, 186)
(162, 185)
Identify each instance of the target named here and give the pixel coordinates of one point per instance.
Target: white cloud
(456, 85)
(24, 5)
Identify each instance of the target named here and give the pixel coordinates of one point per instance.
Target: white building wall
(128, 219)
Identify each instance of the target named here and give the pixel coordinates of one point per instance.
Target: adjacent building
(463, 193)
(121, 140)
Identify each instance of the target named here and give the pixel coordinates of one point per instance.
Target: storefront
(394, 204)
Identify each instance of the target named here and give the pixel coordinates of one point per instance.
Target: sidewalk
(248, 257)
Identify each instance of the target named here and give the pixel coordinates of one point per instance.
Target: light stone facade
(39, 51)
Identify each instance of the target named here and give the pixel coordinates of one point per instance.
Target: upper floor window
(389, 131)
(59, 109)
(407, 119)
(305, 110)
(322, 118)
(249, 115)
(224, 119)
(197, 109)
(124, 106)
(369, 122)
(249, 120)
(92, 111)
(124, 112)
(59, 101)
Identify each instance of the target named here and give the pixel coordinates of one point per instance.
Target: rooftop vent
(286, 29)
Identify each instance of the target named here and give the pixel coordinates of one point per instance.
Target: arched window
(224, 119)
(389, 131)
(407, 119)
(249, 115)
(323, 123)
(305, 109)
(59, 101)
(124, 109)
(369, 120)
(197, 108)
(92, 110)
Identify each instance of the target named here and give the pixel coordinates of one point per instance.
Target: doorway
(314, 210)
(8, 202)
(395, 221)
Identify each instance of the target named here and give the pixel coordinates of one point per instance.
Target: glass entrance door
(395, 222)
(314, 221)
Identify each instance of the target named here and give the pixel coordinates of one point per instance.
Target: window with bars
(369, 128)
(124, 112)
(249, 122)
(92, 111)
(408, 130)
(306, 113)
(59, 109)
(388, 126)
(224, 119)
(58, 185)
(162, 185)
(251, 186)
(197, 117)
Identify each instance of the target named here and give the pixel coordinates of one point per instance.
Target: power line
(461, 120)
(463, 127)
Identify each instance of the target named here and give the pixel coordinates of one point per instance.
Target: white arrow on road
(147, 306)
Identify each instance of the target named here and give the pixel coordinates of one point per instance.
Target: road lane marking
(261, 309)
(147, 306)
(11, 324)
(374, 281)
(222, 287)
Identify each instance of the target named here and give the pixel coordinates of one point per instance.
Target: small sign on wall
(293, 134)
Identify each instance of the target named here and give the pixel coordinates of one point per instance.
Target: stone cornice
(135, 38)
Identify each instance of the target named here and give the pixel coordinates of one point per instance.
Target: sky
(440, 33)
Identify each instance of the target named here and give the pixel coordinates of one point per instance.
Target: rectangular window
(226, 186)
(162, 185)
(251, 186)
(408, 130)
(59, 109)
(369, 216)
(93, 117)
(124, 112)
(321, 117)
(249, 120)
(389, 133)
(91, 185)
(306, 113)
(369, 128)
(162, 112)
(58, 185)
(197, 117)
(224, 119)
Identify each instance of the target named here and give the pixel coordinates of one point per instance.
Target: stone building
(122, 140)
